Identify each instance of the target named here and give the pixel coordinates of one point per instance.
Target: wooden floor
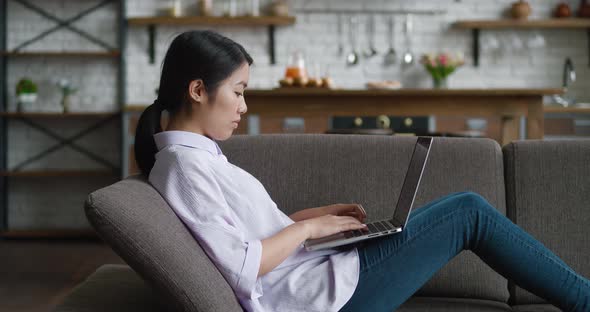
(35, 275)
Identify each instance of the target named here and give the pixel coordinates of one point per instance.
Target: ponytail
(145, 145)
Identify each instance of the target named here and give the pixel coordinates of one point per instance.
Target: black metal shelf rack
(99, 119)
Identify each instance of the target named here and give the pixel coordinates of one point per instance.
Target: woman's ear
(196, 91)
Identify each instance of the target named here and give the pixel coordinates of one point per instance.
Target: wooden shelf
(559, 109)
(269, 21)
(527, 24)
(50, 233)
(62, 54)
(59, 173)
(135, 108)
(212, 20)
(56, 114)
(553, 23)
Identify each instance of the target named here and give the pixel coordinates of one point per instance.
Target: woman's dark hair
(192, 55)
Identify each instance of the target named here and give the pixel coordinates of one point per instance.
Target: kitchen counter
(401, 92)
(511, 105)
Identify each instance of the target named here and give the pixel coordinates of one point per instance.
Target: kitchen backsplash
(316, 34)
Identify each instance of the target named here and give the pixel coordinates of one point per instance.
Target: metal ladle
(391, 56)
(340, 39)
(371, 51)
(352, 58)
(408, 57)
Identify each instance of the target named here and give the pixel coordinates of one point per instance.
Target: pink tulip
(443, 59)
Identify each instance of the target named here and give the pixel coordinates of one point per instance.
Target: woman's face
(219, 118)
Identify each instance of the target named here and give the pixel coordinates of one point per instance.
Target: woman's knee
(461, 202)
(474, 201)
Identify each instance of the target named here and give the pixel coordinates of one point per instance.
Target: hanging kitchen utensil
(371, 50)
(353, 57)
(408, 57)
(340, 39)
(390, 57)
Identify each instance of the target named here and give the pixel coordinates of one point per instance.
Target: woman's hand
(353, 210)
(329, 224)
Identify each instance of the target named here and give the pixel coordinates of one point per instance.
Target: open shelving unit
(553, 23)
(269, 21)
(32, 119)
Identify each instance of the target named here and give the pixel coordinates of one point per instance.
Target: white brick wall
(56, 203)
(316, 34)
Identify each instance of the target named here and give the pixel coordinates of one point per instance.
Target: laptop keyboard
(374, 227)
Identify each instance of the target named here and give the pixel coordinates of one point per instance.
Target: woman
(258, 249)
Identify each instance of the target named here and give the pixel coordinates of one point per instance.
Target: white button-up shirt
(229, 212)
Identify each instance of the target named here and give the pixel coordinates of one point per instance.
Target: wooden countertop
(402, 92)
(307, 92)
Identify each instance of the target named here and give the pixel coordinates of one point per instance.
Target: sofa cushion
(547, 195)
(113, 288)
(137, 223)
(303, 170)
(432, 304)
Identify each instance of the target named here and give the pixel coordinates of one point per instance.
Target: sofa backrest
(548, 195)
(301, 171)
(137, 223)
(309, 170)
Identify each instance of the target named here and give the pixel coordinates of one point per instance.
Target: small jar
(255, 8)
(296, 66)
(205, 7)
(562, 10)
(521, 10)
(279, 8)
(176, 9)
(230, 8)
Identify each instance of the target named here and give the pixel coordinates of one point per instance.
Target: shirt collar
(186, 138)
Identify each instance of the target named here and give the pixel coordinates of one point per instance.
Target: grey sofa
(541, 185)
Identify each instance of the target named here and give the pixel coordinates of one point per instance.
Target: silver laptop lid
(411, 181)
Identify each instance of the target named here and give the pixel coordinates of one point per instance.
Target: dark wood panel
(560, 126)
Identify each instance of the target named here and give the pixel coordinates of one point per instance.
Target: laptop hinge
(396, 223)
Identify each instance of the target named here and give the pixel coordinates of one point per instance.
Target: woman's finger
(355, 214)
(362, 210)
(350, 219)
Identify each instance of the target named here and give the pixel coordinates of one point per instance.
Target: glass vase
(65, 103)
(440, 83)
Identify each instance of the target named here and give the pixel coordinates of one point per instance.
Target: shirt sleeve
(200, 203)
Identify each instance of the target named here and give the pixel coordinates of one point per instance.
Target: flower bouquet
(440, 66)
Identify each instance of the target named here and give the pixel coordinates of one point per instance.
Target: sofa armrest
(548, 195)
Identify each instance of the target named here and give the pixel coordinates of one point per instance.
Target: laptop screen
(411, 181)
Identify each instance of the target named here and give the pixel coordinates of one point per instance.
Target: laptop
(402, 211)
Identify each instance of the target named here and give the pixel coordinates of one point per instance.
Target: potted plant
(26, 93)
(441, 66)
(66, 90)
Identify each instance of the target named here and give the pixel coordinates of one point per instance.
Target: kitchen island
(509, 104)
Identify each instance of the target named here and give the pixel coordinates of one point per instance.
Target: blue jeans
(394, 267)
